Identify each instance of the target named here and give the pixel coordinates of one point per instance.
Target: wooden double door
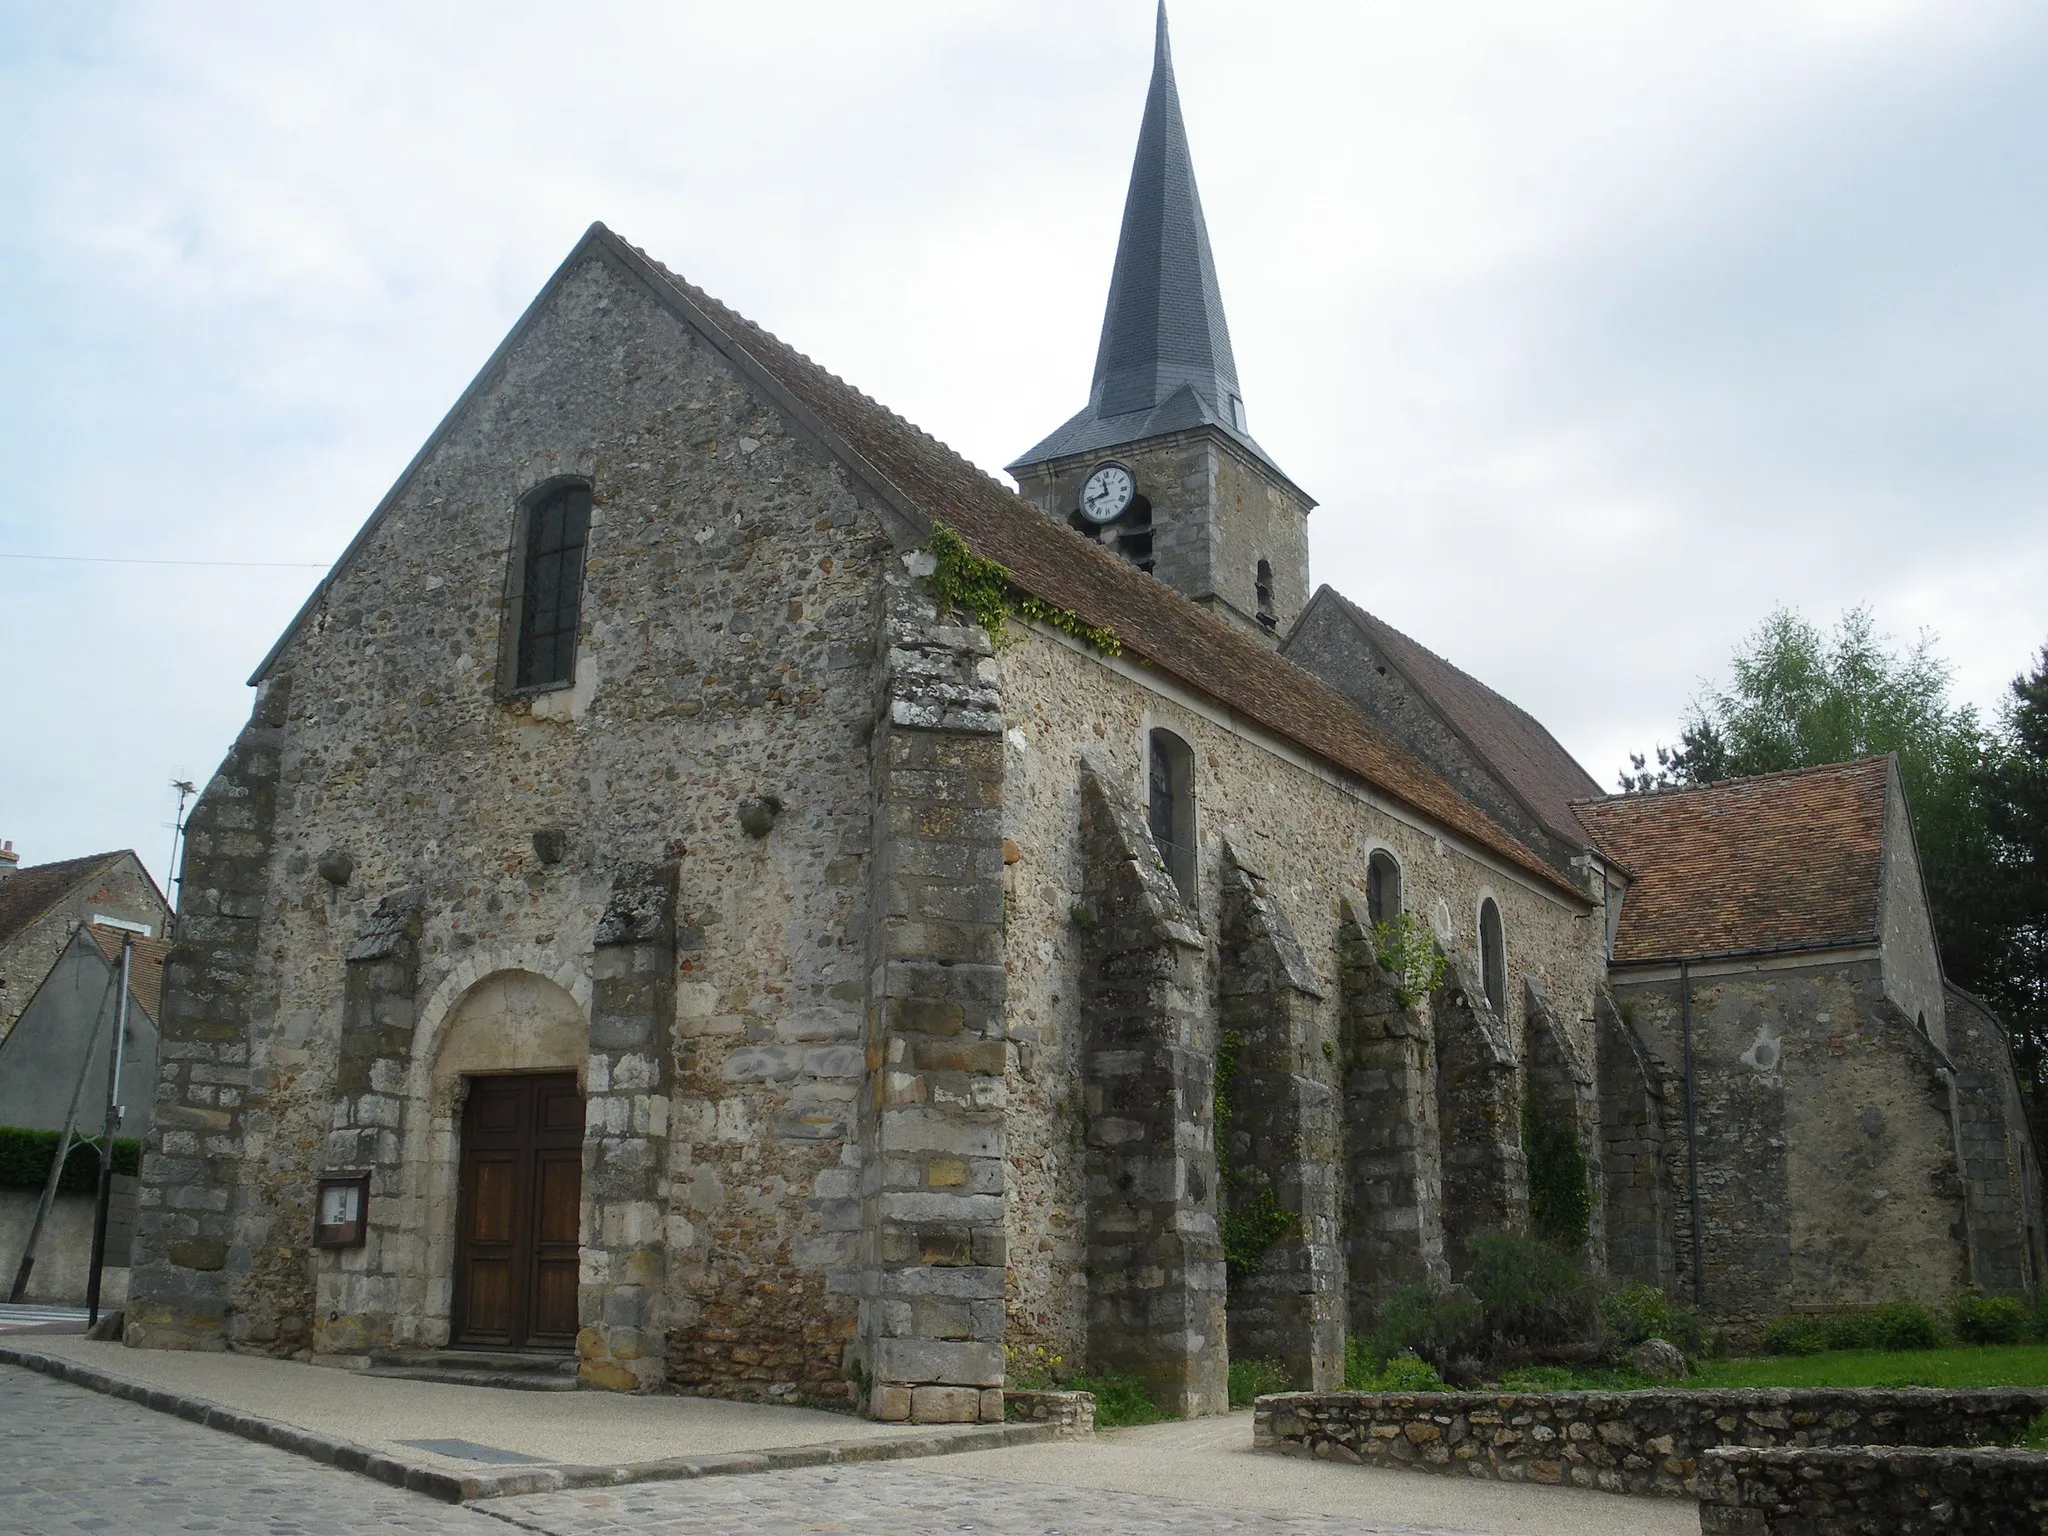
(516, 1219)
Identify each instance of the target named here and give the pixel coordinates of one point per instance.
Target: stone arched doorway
(502, 1105)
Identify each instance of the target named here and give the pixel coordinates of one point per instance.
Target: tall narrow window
(551, 588)
(1134, 540)
(1382, 887)
(1171, 804)
(1268, 614)
(1493, 956)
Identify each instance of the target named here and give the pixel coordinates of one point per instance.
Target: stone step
(519, 1370)
(515, 1381)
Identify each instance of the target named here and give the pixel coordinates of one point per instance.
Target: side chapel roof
(1782, 861)
(1531, 762)
(31, 891)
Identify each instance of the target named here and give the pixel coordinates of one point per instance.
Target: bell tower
(1160, 465)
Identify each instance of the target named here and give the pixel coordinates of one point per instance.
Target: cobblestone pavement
(73, 1460)
(904, 1501)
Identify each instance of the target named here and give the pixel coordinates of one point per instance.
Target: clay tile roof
(1538, 770)
(146, 970)
(28, 893)
(1782, 861)
(1059, 566)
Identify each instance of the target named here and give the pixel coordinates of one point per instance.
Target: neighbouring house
(717, 887)
(54, 1069)
(41, 905)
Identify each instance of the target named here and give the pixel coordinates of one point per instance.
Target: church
(718, 894)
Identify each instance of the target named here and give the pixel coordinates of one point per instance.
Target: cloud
(1598, 328)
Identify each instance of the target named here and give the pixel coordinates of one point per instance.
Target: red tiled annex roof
(1783, 861)
(145, 971)
(1150, 619)
(28, 893)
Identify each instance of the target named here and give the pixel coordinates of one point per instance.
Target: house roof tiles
(29, 892)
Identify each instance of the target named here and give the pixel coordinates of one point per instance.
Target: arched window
(1268, 614)
(1382, 887)
(547, 590)
(1171, 807)
(1493, 956)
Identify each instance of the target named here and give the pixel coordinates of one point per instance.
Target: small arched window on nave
(1170, 807)
(1382, 887)
(1493, 956)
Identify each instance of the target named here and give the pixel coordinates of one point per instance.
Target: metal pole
(111, 1124)
(35, 1231)
(1692, 1147)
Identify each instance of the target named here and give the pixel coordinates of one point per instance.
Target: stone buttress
(189, 1247)
(1393, 1155)
(1562, 1091)
(1156, 1280)
(621, 1338)
(357, 1304)
(1486, 1182)
(1278, 1155)
(932, 1174)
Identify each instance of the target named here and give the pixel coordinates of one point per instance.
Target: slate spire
(1164, 362)
(1164, 323)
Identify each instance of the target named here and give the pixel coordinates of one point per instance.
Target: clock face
(1107, 493)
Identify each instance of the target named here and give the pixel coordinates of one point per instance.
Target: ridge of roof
(932, 483)
(33, 889)
(1677, 791)
(1531, 763)
(1800, 866)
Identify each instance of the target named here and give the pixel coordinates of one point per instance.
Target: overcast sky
(1597, 329)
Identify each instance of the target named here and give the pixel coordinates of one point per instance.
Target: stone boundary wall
(1880, 1490)
(1623, 1442)
(1070, 1413)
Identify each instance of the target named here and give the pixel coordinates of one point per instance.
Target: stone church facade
(670, 927)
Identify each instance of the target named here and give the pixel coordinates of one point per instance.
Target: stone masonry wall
(1634, 1164)
(1875, 1490)
(1282, 1150)
(1308, 834)
(1562, 1091)
(1995, 1150)
(931, 1308)
(726, 655)
(191, 1243)
(1826, 1162)
(1622, 1442)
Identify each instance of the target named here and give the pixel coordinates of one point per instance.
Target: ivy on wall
(1409, 952)
(962, 580)
(1248, 1227)
(1560, 1180)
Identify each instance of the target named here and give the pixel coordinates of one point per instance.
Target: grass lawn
(2005, 1365)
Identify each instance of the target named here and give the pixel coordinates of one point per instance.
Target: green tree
(2014, 785)
(1799, 697)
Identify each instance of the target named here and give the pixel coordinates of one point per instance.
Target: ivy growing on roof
(962, 580)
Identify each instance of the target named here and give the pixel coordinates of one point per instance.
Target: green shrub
(1897, 1325)
(1366, 1371)
(1120, 1399)
(1253, 1379)
(1530, 1290)
(1638, 1312)
(25, 1160)
(1433, 1324)
(1540, 1378)
(1560, 1182)
(1988, 1319)
(2035, 1436)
